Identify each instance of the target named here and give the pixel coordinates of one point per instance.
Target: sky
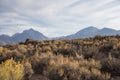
(56, 18)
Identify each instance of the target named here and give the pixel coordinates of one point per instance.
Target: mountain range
(93, 31)
(33, 34)
(21, 37)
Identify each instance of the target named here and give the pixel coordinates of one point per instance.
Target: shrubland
(96, 58)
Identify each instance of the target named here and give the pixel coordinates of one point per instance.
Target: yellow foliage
(10, 70)
(1, 49)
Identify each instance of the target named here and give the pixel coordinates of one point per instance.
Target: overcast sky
(58, 17)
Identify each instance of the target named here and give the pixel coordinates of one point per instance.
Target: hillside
(21, 37)
(95, 58)
(92, 31)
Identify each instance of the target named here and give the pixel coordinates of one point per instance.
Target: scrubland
(96, 58)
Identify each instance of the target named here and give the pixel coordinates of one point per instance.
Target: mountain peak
(87, 30)
(91, 27)
(29, 30)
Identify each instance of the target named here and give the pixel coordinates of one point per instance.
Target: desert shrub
(66, 52)
(59, 67)
(10, 70)
(1, 49)
(74, 70)
(98, 37)
(28, 71)
(39, 63)
(5, 54)
(16, 55)
(111, 65)
(46, 49)
(11, 46)
(8, 54)
(115, 51)
(53, 47)
(22, 48)
(106, 47)
(88, 54)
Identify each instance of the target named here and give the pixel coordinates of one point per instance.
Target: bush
(67, 52)
(1, 49)
(10, 70)
(67, 68)
(111, 65)
(28, 71)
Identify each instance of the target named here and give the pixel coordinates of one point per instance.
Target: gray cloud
(52, 16)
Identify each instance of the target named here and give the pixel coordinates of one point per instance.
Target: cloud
(57, 17)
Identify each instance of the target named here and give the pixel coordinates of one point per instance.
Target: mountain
(5, 39)
(108, 31)
(31, 33)
(18, 37)
(2, 43)
(91, 32)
